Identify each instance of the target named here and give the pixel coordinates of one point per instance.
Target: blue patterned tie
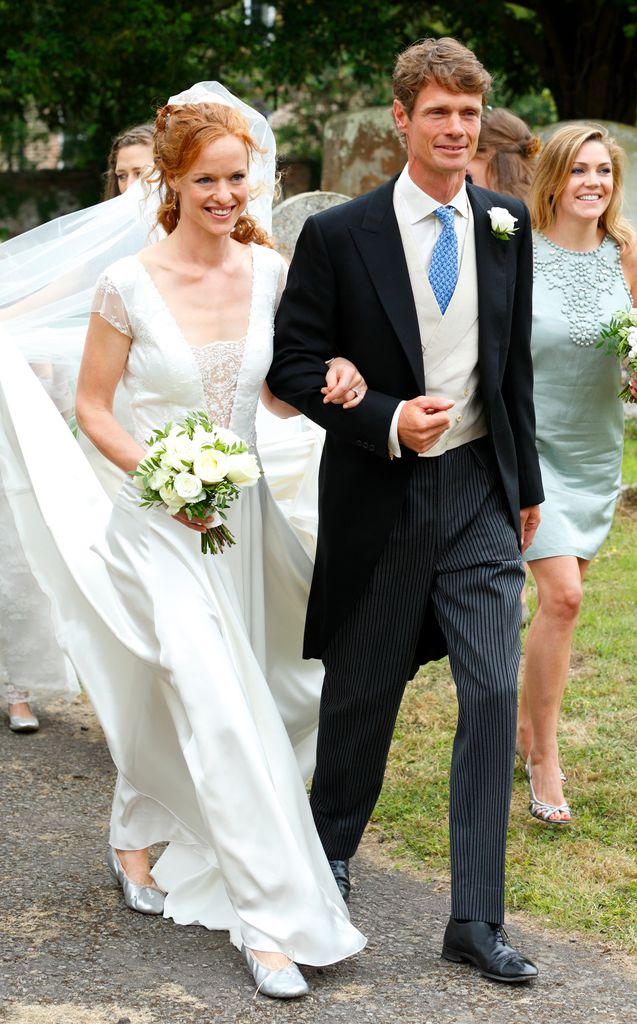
(443, 272)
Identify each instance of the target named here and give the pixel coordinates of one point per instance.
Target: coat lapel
(491, 256)
(379, 244)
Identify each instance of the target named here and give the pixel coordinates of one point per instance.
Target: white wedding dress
(32, 665)
(193, 662)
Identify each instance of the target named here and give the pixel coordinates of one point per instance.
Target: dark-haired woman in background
(131, 153)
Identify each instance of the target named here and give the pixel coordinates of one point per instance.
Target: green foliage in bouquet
(619, 338)
(196, 468)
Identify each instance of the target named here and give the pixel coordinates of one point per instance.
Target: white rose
(211, 465)
(188, 486)
(179, 450)
(502, 220)
(227, 437)
(243, 469)
(201, 436)
(172, 500)
(159, 478)
(631, 337)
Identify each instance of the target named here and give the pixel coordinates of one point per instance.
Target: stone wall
(28, 198)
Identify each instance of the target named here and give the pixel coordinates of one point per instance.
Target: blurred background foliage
(89, 71)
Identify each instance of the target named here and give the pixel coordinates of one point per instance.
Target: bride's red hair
(181, 132)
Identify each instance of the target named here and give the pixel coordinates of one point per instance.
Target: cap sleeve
(109, 304)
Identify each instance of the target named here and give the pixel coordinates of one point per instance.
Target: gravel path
(71, 953)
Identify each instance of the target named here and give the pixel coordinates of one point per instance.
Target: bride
(194, 662)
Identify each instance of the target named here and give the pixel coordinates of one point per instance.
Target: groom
(429, 486)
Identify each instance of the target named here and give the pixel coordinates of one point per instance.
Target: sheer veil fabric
(193, 664)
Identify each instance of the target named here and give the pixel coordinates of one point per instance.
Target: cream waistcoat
(449, 342)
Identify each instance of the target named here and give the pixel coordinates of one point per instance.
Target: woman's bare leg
(546, 664)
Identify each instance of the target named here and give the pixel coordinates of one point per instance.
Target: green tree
(94, 70)
(585, 51)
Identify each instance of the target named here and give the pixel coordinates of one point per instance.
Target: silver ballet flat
(145, 899)
(280, 983)
(23, 723)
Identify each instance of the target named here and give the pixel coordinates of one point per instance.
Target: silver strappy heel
(543, 811)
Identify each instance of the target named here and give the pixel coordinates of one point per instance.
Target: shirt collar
(419, 205)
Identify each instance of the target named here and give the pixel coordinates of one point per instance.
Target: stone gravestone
(626, 136)
(360, 151)
(289, 217)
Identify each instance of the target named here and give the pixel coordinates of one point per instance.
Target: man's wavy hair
(444, 61)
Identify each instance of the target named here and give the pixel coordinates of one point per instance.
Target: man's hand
(423, 421)
(529, 522)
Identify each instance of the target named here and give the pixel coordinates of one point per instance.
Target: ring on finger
(355, 392)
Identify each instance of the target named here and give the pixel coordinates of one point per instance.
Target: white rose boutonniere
(502, 223)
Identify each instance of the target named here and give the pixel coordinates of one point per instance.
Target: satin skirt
(193, 664)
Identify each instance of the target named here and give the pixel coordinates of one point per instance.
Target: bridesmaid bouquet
(197, 468)
(620, 339)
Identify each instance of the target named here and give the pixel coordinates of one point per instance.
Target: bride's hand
(199, 525)
(344, 385)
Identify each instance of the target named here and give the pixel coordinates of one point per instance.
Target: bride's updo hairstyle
(181, 132)
(554, 169)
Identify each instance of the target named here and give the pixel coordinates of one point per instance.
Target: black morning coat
(348, 293)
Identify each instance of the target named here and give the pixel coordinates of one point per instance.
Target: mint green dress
(580, 419)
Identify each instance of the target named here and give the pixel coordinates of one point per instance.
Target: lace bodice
(219, 364)
(165, 377)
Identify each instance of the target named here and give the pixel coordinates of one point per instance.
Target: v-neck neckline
(149, 277)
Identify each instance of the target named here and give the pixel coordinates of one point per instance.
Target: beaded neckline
(582, 278)
(574, 252)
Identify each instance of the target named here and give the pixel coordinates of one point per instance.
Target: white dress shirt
(415, 212)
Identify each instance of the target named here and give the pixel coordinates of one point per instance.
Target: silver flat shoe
(23, 723)
(145, 899)
(280, 983)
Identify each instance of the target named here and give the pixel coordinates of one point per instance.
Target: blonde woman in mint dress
(585, 269)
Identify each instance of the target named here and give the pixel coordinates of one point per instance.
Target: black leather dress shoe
(340, 870)
(486, 946)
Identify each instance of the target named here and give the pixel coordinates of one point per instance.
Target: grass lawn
(583, 877)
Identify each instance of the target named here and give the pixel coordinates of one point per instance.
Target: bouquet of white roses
(197, 468)
(620, 339)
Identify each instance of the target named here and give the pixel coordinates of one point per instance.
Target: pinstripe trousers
(452, 548)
